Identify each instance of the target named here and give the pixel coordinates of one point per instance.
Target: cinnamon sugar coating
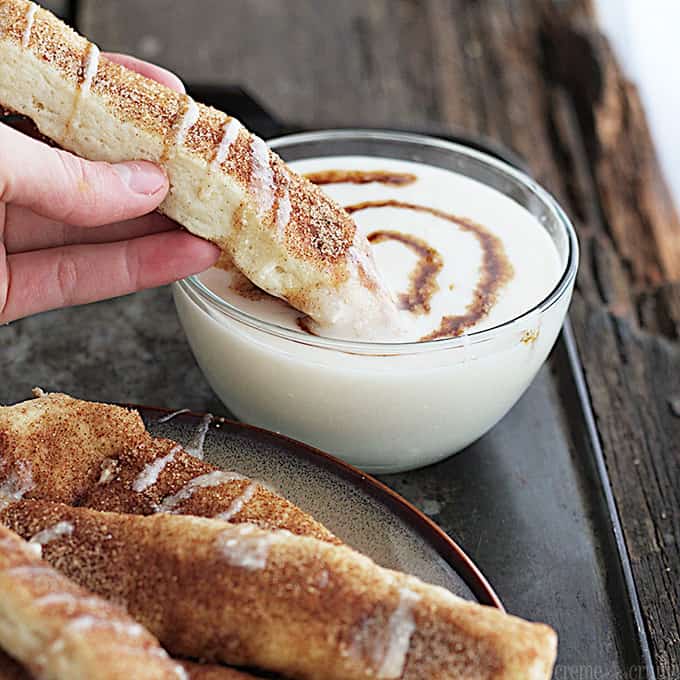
(290, 604)
(90, 454)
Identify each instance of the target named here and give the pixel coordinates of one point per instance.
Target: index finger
(144, 68)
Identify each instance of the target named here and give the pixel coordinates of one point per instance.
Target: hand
(73, 231)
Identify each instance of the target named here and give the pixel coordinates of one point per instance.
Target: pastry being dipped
(280, 230)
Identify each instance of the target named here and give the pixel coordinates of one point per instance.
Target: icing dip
(468, 265)
(457, 255)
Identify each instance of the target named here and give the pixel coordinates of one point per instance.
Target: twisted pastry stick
(13, 670)
(61, 632)
(63, 449)
(290, 604)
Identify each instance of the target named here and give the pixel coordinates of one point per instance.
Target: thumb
(64, 187)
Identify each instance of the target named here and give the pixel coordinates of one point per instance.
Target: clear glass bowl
(384, 407)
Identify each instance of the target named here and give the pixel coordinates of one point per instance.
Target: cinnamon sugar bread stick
(59, 631)
(280, 230)
(291, 604)
(13, 670)
(58, 448)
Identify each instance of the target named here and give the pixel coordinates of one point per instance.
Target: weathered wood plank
(546, 85)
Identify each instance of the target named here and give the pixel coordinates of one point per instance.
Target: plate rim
(445, 546)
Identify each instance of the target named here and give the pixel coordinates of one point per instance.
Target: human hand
(73, 231)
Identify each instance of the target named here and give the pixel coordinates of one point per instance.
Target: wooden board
(540, 79)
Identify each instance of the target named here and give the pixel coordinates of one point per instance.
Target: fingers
(63, 187)
(72, 275)
(24, 230)
(77, 191)
(144, 68)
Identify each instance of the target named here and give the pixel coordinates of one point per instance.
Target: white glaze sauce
(51, 534)
(245, 546)
(229, 135)
(90, 68)
(189, 119)
(390, 655)
(149, 475)
(215, 478)
(238, 503)
(262, 177)
(30, 18)
(195, 446)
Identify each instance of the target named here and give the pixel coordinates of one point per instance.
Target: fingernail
(142, 178)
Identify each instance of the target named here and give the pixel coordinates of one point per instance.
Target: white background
(646, 39)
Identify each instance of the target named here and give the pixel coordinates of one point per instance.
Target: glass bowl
(384, 407)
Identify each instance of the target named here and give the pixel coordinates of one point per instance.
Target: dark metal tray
(531, 501)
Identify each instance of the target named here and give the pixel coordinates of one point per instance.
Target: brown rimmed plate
(359, 509)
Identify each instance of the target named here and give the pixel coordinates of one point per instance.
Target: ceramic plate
(360, 510)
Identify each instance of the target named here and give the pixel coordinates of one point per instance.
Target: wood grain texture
(539, 78)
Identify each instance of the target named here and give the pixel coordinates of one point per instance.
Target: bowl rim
(199, 292)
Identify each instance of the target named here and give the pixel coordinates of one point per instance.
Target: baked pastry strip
(58, 448)
(291, 604)
(284, 233)
(60, 631)
(13, 670)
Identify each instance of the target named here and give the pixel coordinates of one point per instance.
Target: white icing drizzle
(66, 598)
(246, 546)
(89, 621)
(229, 135)
(149, 475)
(51, 534)
(391, 656)
(238, 503)
(30, 570)
(12, 544)
(283, 210)
(195, 446)
(262, 177)
(169, 503)
(189, 119)
(172, 415)
(181, 673)
(108, 470)
(322, 581)
(17, 483)
(90, 68)
(83, 623)
(30, 18)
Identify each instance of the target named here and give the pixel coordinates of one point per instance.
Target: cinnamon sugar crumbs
(62, 49)
(13, 20)
(238, 161)
(151, 106)
(204, 136)
(320, 230)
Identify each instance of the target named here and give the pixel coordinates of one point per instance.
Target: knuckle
(66, 278)
(131, 263)
(81, 182)
(4, 286)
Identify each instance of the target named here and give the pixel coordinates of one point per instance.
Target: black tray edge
(578, 376)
